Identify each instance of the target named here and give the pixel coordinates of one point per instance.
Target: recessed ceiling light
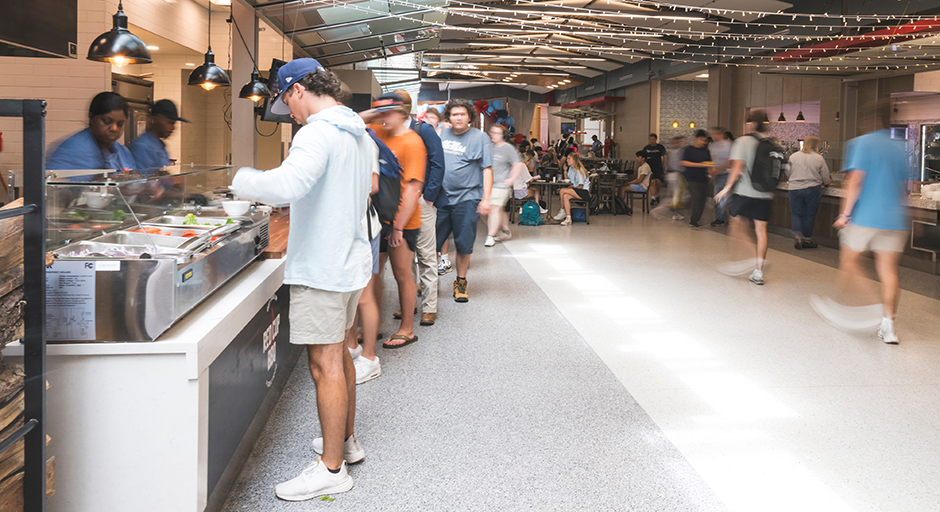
(703, 75)
(221, 2)
(190, 64)
(152, 47)
(565, 81)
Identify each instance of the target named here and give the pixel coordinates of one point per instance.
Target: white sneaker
(677, 216)
(352, 450)
(367, 370)
(355, 353)
(314, 481)
(566, 222)
(887, 334)
(737, 268)
(505, 234)
(561, 214)
(490, 241)
(444, 267)
(757, 277)
(543, 211)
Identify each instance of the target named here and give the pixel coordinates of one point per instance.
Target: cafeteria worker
(97, 147)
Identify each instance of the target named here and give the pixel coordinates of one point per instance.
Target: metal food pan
(177, 221)
(90, 249)
(132, 238)
(173, 230)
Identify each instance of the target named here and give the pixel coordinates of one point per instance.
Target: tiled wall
(792, 132)
(67, 85)
(684, 102)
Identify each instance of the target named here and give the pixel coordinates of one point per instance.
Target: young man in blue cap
(149, 149)
(326, 178)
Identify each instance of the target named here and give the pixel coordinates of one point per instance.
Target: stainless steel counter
(913, 200)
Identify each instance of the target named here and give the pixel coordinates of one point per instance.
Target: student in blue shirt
(149, 149)
(97, 147)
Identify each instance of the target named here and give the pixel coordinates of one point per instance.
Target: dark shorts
(750, 207)
(461, 220)
(658, 175)
(583, 194)
(410, 236)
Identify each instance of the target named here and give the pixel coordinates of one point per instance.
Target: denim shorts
(461, 220)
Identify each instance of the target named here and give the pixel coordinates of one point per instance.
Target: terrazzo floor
(499, 406)
(611, 367)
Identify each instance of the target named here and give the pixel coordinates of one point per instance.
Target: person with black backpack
(755, 167)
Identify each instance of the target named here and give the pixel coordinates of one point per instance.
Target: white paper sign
(70, 300)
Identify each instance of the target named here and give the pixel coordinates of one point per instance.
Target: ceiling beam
(357, 22)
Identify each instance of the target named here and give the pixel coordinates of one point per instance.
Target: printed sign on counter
(70, 300)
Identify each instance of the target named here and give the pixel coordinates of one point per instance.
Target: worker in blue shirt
(149, 149)
(97, 147)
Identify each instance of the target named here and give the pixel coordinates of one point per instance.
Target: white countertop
(203, 333)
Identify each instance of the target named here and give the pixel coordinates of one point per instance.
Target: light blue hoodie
(326, 178)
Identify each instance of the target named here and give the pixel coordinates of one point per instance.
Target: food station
(166, 328)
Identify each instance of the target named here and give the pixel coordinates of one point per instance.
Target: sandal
(406, 339)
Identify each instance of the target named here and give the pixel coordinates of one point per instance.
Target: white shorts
(319, 317)
(499, 196)
(862, 239)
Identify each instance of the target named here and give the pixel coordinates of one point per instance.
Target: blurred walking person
(808, 174)
(873, 218)
(747, 203)
(720, 148)
(696, 160)
(507, 167)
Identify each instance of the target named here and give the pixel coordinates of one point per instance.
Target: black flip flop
(407, 341)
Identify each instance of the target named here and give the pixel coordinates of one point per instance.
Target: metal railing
(33, 211)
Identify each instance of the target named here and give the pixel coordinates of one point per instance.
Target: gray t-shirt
(465, 157)
(745, 149)
(504, 157)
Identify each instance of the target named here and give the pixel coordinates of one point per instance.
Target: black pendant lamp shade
(118, 46)
(800, 118)
(255, 90)
(781, 119)
(208, 75)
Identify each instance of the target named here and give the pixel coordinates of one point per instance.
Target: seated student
(580, 187)
(523, 187)
(642, 182)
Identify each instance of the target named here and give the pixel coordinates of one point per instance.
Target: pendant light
(799, 117)
(118, 46)
(254, 90)
(783, 82)
(208, 75)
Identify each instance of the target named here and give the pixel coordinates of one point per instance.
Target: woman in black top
(694, 160)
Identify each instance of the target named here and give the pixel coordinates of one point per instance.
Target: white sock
(445, 258)
(887, 324)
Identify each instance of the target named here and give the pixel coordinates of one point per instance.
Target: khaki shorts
(499, 196)
(319, 317)
(862, 239)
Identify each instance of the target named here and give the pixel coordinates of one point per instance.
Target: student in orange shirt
(399, 240)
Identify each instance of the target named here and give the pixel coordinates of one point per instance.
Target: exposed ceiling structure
(543, 45)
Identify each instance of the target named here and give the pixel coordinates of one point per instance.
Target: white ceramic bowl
(96, 200)
(235, 208)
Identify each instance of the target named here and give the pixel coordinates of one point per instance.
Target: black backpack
(767, 165)
(387, 199)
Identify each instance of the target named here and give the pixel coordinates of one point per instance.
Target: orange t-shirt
(413, 157)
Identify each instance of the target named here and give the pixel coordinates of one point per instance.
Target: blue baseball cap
(288, 75)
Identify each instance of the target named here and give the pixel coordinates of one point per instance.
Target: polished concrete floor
(615, 369)
(774, 408)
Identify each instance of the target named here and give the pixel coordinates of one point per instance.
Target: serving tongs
(201, 242)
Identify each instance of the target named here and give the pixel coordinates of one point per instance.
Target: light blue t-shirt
(149, 153)
(880, 204)
(577, 179)
(81, 151)
(465, 157)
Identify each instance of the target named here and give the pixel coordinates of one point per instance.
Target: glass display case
(930, 152)
(133, 253)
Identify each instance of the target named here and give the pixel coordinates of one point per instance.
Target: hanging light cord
(253, 63)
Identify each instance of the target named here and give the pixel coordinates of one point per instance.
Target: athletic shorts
(751, 207)
(862, 239)
(658, 175)
(319, 317)
(409, 235)
(637, 188)
(582, 194)
(460, 220)
(499, 196)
